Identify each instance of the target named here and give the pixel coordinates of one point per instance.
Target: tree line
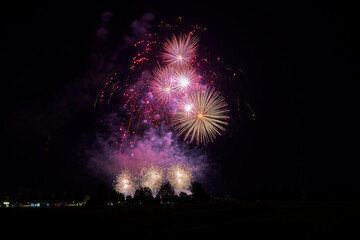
(166, 194)
(144, 196)
(102, 196)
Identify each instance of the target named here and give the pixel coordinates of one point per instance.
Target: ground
(291, 220)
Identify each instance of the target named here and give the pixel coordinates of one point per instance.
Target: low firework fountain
(179, 176)
(152, 177)
(125, 183)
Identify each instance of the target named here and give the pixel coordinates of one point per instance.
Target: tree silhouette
(121, 197)
(116, 198)
(79, 195)
(184, 198)
(143, 196)
(198, 193)
(166, 192)
(129, 200)
(100, 196)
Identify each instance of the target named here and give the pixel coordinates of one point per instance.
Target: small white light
(188, 108)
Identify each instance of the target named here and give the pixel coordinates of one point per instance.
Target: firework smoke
(160, 148)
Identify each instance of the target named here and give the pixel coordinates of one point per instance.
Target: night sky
(300, 59)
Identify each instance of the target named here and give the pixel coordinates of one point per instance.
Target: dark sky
(299, 58)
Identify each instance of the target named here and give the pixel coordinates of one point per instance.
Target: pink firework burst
(185, 79)
(180, 51)
(163, 84)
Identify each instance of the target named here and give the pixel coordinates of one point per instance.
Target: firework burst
(152, 177)
(179, 176)
(125, 183)
(163, 84)
(180, 51)
(185, 79)
(201, 115)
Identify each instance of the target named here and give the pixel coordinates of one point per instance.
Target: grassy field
(293, 220)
